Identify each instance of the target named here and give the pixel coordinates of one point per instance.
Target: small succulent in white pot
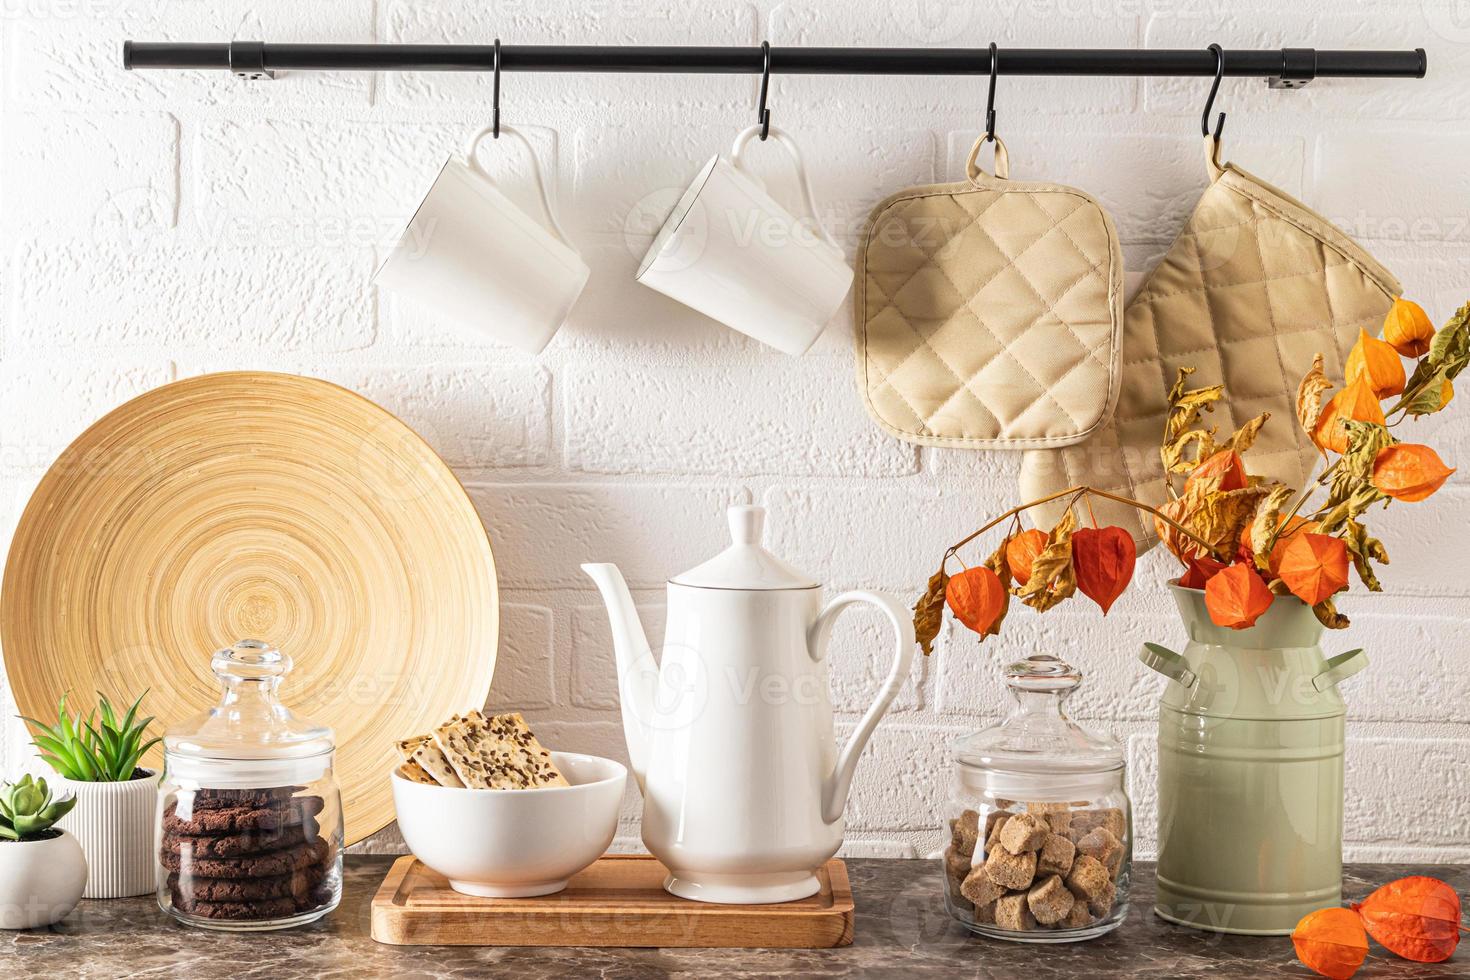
(96, 759)
(42, 869)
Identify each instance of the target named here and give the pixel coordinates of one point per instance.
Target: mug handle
(780, 136)
(474, 164)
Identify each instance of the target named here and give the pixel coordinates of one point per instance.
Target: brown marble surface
(902, 931)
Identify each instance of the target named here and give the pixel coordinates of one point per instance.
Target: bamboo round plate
(256, 506)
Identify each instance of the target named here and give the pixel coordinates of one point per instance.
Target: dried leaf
(1261, 531)
(1378, 363)
(1216, 517)
(1418, 918)
(976, 598)
(1244, 437)
(1314, 567)
(929, 611)
(1237, 597)
(1180, 436)
(1362, 547)
(1052, 579)
(1327, 614)
(1355, 470)
(1103, 559)
(1450, 350)
(1309, 397)
(1409, 472)
(1407, 328)
(1021, 551)
(1336, 517)
(1436, 393)
(1331, 942)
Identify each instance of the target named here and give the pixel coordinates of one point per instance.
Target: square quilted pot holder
(989, 312)
(1253, 287)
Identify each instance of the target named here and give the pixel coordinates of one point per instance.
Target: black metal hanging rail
(1292, 66)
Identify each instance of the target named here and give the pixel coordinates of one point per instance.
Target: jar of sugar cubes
(1039, 838)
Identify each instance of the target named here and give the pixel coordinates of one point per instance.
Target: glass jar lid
(1037, 752)
(249, 726)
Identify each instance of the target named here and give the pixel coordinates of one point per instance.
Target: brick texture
(156, 225)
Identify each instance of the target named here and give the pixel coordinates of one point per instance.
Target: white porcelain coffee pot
(730, 734)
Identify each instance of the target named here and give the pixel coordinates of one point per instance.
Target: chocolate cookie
(222, 799)
(244, 843)
(282, 862)
(269, 908)
(234, 819)
(187, 888)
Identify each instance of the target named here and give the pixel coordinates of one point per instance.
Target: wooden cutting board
(618, 901)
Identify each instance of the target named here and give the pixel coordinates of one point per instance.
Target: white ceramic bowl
(514, 843)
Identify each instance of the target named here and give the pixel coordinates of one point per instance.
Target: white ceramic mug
(472, 256)
(730, 251)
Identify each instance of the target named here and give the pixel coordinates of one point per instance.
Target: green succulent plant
(93, 750)
(27, 810)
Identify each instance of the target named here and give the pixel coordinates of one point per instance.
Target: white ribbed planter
(114, 824)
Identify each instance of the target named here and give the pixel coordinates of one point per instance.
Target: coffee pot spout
(637, 670)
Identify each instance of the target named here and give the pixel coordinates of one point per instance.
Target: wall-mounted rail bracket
(247, 61)
(1298, 67)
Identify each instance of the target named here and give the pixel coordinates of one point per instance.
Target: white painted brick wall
(157, 225)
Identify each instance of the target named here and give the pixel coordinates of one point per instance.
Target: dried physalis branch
(1052, 578)
(1102, 560)
(1309, 398)
(1021, 550)
(929, 610)
(977, 598)
(1180, 434)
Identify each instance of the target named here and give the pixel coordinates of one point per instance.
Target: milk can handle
(1340, 668)
(1168, 663)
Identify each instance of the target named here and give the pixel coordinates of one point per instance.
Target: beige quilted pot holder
(989, 312)
(1254, 285)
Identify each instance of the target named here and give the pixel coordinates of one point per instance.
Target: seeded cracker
(415, 773)
(430, 759)
(497, 753)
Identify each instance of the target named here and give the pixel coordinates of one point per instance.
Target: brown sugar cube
(1077, 918)
(1012, 912)
(1011, 870)
(1057, 815)
(1102, 845)
(1024, 832)
(1090, 882)
(956, 866)
(1049, 900)
(964, 830)
(985, 914)
(980, 889)
(1055, 856)
(994, 821)
(1110, 818)
(960, 902)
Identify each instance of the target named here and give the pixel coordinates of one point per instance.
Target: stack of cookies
(247, 854)
(475, 752)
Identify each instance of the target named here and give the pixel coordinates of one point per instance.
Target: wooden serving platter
(618, 901)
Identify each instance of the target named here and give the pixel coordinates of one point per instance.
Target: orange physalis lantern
(976, 597)
(1409, 472)
(1102, 561)
(1021, 551)
(1377, 361)
(1294, 528)
(1418, 918)
(1226, 465)
(1407, 328)
(1356, 402)
(1201, 570)
(1314, 567)
(1236, 597)
(1331, 942)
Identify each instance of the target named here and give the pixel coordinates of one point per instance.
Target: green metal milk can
(1250, 774)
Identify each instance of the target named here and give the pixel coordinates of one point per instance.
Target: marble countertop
(901, 930)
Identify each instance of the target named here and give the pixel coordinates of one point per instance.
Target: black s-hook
(495, 110)
(762, 114)
(1204, 119)
(990, 96)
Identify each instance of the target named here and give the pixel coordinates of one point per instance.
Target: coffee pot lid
(745, 565)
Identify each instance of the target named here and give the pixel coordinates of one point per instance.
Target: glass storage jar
(250, 817)
(1040, 832)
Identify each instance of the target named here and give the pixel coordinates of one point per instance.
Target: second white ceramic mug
(471, 256)
(732, 252)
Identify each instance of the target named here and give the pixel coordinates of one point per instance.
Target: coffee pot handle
(839, 781)
(742, 140)
(469, 154)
